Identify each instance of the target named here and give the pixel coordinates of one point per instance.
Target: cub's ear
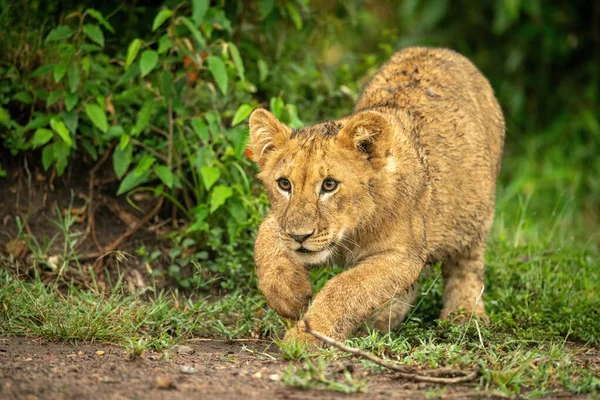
(369, 132)
(266, 134)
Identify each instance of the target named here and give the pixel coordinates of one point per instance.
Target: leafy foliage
(169, 106)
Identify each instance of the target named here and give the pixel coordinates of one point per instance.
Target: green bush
(169, 107)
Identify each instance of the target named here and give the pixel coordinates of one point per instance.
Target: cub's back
(460, 128)
(434, 83)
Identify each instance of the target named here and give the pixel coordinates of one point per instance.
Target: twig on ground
(431, 375)
(226, 340)
(126, 217)
(113, 246)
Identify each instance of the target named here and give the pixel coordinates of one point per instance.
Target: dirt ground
(30, 199)
(38, 369)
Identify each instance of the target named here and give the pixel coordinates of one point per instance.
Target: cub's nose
(300, 237)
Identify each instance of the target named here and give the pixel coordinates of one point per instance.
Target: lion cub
(408, 179)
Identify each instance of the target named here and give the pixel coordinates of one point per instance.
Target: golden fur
(415, 166)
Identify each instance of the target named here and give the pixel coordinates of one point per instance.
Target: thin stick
(91, 212)
(226, 340)
(113, 246)
(431, 376)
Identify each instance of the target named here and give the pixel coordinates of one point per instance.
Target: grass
(85, 315)
(316, 374)
(542, 294)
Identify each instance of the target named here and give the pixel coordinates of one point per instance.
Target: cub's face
(321, 180)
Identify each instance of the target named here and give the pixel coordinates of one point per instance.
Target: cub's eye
(329, 185)
(284, 184)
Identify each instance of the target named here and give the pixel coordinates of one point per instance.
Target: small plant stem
(170, 148)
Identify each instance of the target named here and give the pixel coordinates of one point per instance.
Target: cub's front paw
(297, 336)
(289, 301)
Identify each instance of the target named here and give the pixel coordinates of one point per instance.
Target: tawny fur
(416, 163)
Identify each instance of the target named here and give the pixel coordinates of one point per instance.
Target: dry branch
(452, 376)
(115, 244)
(91, 209)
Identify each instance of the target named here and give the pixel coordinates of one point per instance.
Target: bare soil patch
(38, 369)
(41, 204)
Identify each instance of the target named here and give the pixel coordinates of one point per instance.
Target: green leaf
(71, 119)
(4, 116)
(61, 32)
(59, 71)
(200, 128)
(43, 70)
(219, 72)
(194, 31)
(131, 181)
(294, 15)
(122, 160)
(276, 105)
(240, 142)
(94, 33)
(160, 18)
(265, 7)
(143, 117)
(165, 175)
(47, 157)
(115, 132)
(40, 121)
(61, 155)
(512, 8)
(236, 209)
(90, 149)
(74, 77)
(219, 196)
(98, 17)
(263, 70)
(101, 100)
(199, 8)
(41, 137)
(237, 60)
(85, 65)
(61, 129)
(132, 52)
(70, 100)
(124, 141)
(210, 175)
(53, 97)
(98, 116)
(127, 76)
(166, 84)
(23, 97)
(241, 114)
(164, 44)
(295, 122)
(144, 164)
(148, 62)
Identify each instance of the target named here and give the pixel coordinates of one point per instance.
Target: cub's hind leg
(389, 316)
(463, 284)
